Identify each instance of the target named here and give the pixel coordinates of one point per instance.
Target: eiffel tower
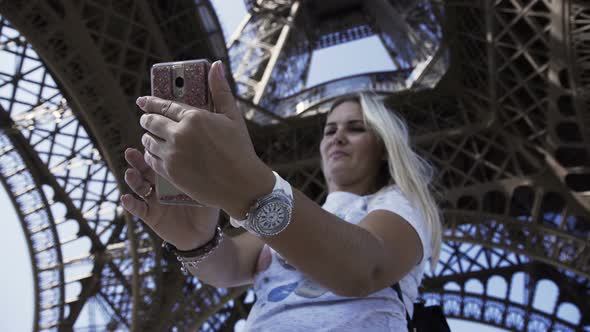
(496, 94)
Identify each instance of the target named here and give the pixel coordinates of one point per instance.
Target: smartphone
(185, 82)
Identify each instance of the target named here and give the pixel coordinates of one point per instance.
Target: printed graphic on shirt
(282, 292)
(310, 289)
(305, 288)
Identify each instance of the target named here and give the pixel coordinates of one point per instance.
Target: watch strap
(281, 197)
(280, 184)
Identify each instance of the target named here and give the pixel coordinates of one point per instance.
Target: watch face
(272, 218)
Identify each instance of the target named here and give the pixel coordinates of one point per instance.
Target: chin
(342, 175)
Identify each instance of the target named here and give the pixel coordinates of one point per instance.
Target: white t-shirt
(288, 301)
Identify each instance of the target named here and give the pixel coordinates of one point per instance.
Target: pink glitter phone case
(185, 82)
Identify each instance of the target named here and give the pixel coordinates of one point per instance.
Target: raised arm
(347, 259)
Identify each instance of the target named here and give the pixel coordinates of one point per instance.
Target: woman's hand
(185, 227)
(209, 156)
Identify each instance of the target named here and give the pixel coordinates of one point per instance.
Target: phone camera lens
(179, 82)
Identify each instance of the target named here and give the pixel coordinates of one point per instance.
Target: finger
(136, 182)
(158, 125)
(135, 159)
(135, 206)
(167, 108)
(154, 162)
(154, 145)
(223, 98)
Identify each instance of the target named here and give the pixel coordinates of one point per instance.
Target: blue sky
(16, 286)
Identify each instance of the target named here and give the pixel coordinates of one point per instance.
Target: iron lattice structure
(496, 94)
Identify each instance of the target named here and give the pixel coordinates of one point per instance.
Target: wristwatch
(271, 214)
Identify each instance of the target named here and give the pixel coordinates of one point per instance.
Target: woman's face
(351, 154)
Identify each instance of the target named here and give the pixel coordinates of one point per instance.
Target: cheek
(322, 159)
(323, 148)
(368, 149)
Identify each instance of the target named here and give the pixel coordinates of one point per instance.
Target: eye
(329, 131)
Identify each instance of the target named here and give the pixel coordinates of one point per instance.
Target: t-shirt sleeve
(394, 201)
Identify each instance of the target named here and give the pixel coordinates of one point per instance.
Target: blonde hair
(406, 168)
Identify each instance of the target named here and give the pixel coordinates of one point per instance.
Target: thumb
(223, 98)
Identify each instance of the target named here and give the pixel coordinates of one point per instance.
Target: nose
(339, 137)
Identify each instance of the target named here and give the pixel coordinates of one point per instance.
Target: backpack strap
(398, 290)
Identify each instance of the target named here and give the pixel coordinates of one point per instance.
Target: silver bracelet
(191, 258)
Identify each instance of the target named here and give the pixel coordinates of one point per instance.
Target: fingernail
(142, 120)
(220, 69)
(126, 203)
(140, 102)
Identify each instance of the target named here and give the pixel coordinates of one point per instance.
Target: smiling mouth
(338, 155)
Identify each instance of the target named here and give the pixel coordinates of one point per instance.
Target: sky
(16, 285)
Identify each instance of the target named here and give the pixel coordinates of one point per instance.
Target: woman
(313, 268)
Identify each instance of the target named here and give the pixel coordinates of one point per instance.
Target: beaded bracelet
(191, 258)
